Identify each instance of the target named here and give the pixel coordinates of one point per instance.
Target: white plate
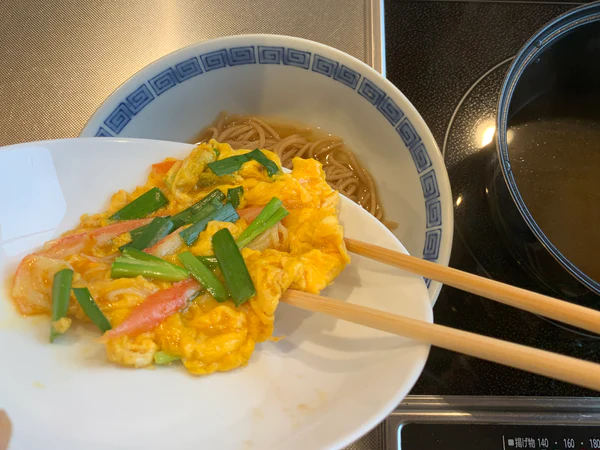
(323, 386)
(304, 81)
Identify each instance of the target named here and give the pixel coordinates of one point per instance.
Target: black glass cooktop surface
(449, 58)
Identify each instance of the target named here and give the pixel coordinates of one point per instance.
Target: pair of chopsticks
(560, 367)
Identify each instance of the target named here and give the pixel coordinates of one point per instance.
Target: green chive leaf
(262, 223)
(234, 196)
(152, 233)
(215, 198)
(161, 357)
(228, 165)
(90, 308)
(260, 157)
(225, 214)
(235, 272)
(132, 253)
(209, 261)
(204, 276)
(235, 163)
(135, 233)
(61, 293)
(139, 208)
(125, 267)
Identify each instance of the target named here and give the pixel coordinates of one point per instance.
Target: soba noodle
(343, 172)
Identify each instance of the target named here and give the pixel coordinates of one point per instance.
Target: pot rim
(533, 47)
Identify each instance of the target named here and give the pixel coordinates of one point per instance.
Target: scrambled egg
(306, 252)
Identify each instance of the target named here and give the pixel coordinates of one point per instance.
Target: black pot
(556, 74)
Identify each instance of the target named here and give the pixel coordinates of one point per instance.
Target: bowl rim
(540, 41)
(430, 144)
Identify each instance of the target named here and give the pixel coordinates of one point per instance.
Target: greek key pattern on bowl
(187, 69)
(298, 58)
(142, 96)
(214, 60)
(324, 66)
(139, 98)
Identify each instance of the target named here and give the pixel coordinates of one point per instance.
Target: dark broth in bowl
(556, 165)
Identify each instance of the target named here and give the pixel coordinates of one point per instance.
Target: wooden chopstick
(578, 316)
(560, 367)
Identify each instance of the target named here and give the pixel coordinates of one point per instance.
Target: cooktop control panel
(494, 423)
(415, 436)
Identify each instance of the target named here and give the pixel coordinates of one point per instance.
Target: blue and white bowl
(304, 81)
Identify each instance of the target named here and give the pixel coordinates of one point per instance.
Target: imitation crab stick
(162, 168)
(65, 246)
(156, 308)
(167, 245)
(70, 244)
(250, 213)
